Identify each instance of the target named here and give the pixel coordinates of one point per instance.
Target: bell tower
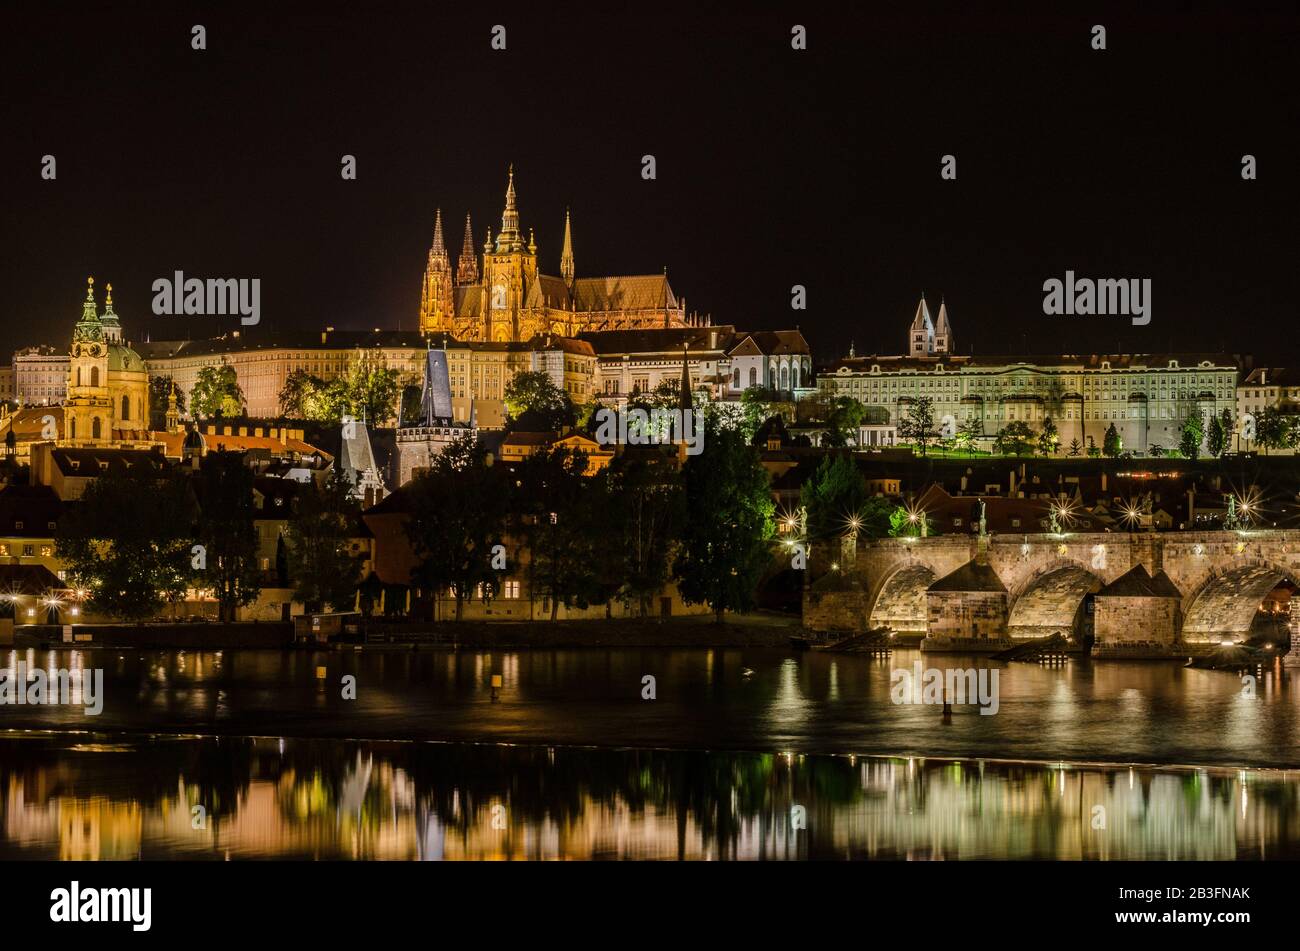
(88, 411)
(509, 270)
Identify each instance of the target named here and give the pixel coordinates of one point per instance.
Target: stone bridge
(1156, 594)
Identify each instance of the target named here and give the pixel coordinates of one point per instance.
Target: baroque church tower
(108, 386)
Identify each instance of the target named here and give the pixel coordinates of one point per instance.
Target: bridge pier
(1292, 659)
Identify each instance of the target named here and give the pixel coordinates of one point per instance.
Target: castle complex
(507, 299)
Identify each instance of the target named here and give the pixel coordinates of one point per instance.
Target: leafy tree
(728, 523)
(1112, 445)
(757, 405)
(565, 521)
(297, 394)
(968, 431)
(159, 390)
(1049, 440)
(534, 391)
(322, 566)
(227, 532)
(369, 390)
(411, 410)
(1272, 430)
(1014, 439)
(647, 505)
(216, 393)
(843, 418)
(1189, 441)
(917, 423)
(458, 517)
(1155, 450)
(1075, 447)
(1215, 439)
(834, 494)
(903, 523)
(128, 541)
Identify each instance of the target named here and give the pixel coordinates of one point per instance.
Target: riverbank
(760, 629)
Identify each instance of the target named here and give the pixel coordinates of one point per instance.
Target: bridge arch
(1052, 600)
(1224, 604)
(900, 602)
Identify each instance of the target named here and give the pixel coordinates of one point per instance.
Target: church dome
(193, 440)
(123, 359)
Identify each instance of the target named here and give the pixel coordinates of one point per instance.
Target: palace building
(1147, 397)
(506, 298)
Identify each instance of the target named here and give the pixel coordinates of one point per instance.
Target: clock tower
(88, 410)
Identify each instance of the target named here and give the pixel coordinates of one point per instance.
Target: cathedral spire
(467, 263)
(566, 255)
(508, 239)
(88, 327)
(439, 247)
(684, 401)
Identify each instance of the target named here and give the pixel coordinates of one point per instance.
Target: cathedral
(507, 299)
(108, 386)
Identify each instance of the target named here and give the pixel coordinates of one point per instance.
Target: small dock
(879, 642)
(1052, 651)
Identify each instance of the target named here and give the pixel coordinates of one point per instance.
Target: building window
(512, 589)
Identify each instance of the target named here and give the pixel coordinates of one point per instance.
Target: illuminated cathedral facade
(506, 298)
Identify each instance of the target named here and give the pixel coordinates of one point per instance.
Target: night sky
(775, 167)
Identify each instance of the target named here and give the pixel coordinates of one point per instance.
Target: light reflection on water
(105, 798)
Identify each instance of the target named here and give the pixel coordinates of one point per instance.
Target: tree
(1271, 429)
(216, 393)
(843, 418)
(322, 566)
(1215, 439)
(297, 394)
(1189, 441)
(564, 522)
(533, 390)
(917, 423)
(1049, 440)
(1155, 450)
(128, 541)
(969, 431)
(160, 388)
(1014, 439)
(227, 532)
(1112, 445)
(904, 523)
(1075, 447)
(458, 518)
(728, 523)
(369, 390)
(834, 494)
(647, 506)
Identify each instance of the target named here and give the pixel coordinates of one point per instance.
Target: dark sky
(775, 167)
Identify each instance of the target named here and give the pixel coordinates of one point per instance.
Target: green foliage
(1049, 439)
(227, 532)
(1075, 447)
(458, 515)
(1112, 445)
(728, 522)
(1272, 429)
(969, 431)
(917, 424)
(647, 507)
(534, 391)
(128, 541)
(1216, 440)
(1014, 439)
(1156, 451)
(159, 388)
(834, 494)
(216, 393)
(565, 518)
(367, 391)
(905, 524)
(318, 546)
(1189, 441)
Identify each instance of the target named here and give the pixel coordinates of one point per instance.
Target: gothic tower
(437, 304)
(920, 338)
(467, 263)
(509, 270)
(943, 330)
(566, 255)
